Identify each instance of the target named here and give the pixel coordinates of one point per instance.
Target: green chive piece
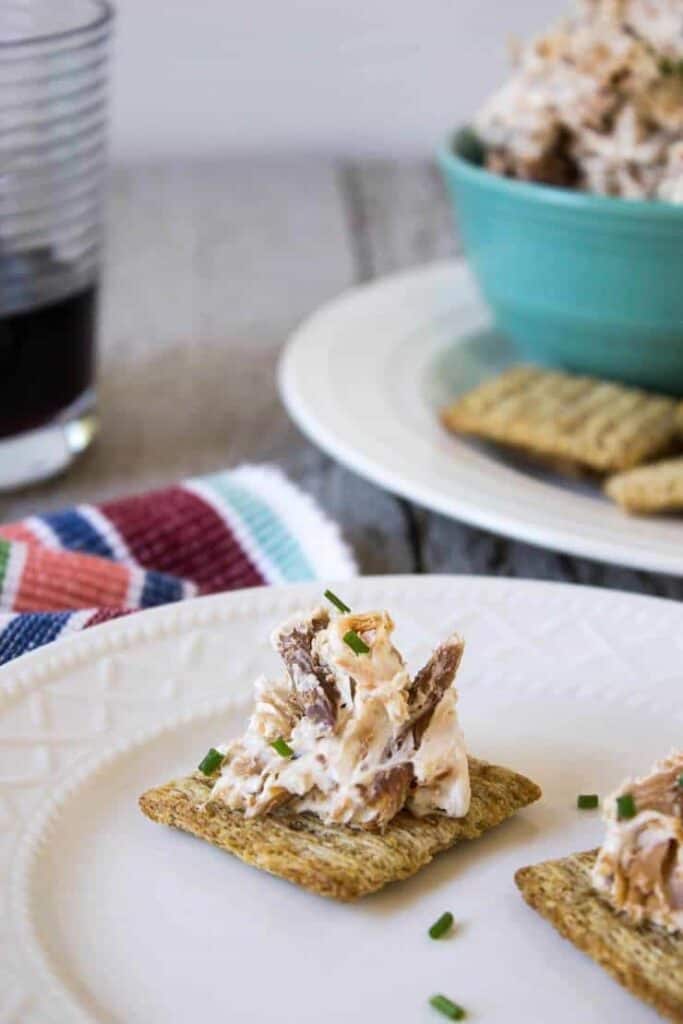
(282, 747)
(680, 780)
(667, 66)
(443, 925)
(626, 807)
(356, 643)
(336, 601)
(587, 801)
(211, 762)
(447, 1007)
(468, 144)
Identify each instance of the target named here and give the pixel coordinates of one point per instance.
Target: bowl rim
(553, 195)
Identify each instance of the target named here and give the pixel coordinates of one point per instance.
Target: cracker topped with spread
(352, 772)
(592, 424)
(623, 904)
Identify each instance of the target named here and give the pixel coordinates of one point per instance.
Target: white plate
(364, 379)
(107, 917)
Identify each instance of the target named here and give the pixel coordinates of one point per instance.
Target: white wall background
(333, 76)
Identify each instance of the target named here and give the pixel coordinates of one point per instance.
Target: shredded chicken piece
(366, 739)
(310, 677)
(640, 865)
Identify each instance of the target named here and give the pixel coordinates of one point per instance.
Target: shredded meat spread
(595, 103)
(640, 865)
(366, 740)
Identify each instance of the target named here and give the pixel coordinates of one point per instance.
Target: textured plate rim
(34, 668)
(38, 834)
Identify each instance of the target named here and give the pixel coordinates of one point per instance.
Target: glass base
(48, 450)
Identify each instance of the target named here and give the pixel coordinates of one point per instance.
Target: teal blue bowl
(589, 283)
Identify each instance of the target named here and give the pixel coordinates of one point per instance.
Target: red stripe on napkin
(175, 532)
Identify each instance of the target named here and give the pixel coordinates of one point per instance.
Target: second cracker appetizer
(623, 904)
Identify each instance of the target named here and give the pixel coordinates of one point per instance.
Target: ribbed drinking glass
(53, 118)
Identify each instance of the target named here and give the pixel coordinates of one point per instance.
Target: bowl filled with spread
(567, 188)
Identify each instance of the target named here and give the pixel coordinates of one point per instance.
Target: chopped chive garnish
(447, 1007)
(587, 801)
(282, 747)
(671, 67)
(211, 762)
(336, 601)
(443, 925)
(680, 780)
(626, 807)
(356, 643)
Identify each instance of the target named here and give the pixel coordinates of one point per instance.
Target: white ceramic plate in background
(365, 377)
(105, 916)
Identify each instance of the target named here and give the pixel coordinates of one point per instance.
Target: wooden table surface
(210, 266)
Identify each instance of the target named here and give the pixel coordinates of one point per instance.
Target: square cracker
(590, 423)
(654, 488)
(646, 959)
(334, 860)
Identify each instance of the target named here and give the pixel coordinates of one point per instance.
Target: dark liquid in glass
(46, 360)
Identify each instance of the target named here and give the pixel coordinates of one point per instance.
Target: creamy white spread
(366, 739)
(639, 868)
(596, 103)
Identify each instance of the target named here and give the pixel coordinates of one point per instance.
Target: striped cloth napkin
(66, 571)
